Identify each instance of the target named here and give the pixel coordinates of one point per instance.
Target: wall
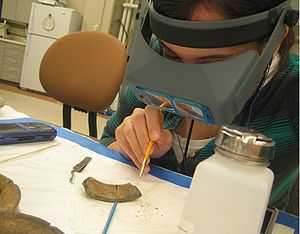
(77, 5)
(295, 4)
(92, 14)
(91, 11)
(99, 15)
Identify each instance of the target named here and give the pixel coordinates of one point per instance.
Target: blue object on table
(112, 211)
(26, 132)
(288, 220)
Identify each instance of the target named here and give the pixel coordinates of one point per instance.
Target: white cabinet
(11, 60)
(17, 10)
(9, 9)
(2, 51)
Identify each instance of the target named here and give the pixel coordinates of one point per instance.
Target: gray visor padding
(213, 34)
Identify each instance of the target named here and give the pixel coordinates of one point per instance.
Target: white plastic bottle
(230, 190)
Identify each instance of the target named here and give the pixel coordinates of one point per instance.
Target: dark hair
(184, 9)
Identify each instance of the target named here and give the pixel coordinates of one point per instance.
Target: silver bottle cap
(245, 145)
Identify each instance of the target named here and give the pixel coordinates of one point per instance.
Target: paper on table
(17, 151)
(47, 193)
(6, 112)
(281, 229)
(44, 183)
(157, 211)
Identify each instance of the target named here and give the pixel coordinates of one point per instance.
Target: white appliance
(53, 2)
(46, 25)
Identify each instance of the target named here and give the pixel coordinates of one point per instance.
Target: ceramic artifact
(110, 192)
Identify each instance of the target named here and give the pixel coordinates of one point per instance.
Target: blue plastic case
(15, 133)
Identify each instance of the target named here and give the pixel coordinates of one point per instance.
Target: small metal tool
(79, 167)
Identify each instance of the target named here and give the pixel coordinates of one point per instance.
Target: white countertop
(13, 41)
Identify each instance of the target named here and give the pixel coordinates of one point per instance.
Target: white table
(42, 171)
(6, 112)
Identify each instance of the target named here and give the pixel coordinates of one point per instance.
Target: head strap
(212, 34)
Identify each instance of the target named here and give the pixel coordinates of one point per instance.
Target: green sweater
(274, 113)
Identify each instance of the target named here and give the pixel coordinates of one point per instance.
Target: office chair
(84, 71)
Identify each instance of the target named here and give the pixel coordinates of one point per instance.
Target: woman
(274, 112)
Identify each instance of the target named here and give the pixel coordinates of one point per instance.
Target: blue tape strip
(288, 220)
(162, 173)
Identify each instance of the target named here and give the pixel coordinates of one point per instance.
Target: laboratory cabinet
(16, 10)
(11, 60)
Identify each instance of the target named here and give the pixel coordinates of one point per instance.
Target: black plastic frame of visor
(211, 34)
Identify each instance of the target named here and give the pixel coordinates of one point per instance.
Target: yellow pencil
(149, 148)
(147, 155)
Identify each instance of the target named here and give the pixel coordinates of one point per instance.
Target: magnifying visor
(176, 105)
(213, 92)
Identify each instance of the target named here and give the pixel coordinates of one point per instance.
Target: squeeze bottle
(230, 190)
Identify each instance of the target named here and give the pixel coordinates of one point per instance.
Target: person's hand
(133, 135)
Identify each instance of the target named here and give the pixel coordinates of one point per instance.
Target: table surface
(42, 171)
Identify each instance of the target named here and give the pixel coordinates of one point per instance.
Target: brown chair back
(84, 70)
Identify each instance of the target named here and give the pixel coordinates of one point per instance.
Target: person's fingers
(125, 146)
(154, 122)
(131, 137)
(164, 143)
(165, 139)
(147, 169)
(134, 134)
(140, 127)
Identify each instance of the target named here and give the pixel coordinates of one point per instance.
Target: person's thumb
(165, 141)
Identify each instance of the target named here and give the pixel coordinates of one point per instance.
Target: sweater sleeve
(126, 104)
(293, 108)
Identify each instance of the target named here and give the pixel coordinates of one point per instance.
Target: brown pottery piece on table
(110, 192)
(12, 222)
(10, 194)
(19, 223)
